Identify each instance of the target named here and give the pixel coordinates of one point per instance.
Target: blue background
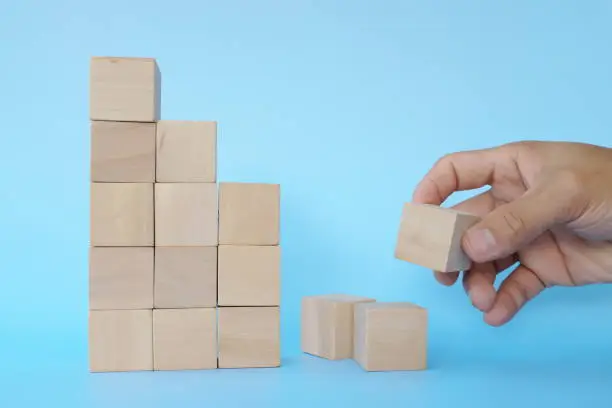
(346, 104)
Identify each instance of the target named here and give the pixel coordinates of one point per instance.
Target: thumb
(511, 226)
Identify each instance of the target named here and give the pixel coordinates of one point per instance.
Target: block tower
(184, 272)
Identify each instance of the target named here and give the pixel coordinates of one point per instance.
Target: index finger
(457, 172)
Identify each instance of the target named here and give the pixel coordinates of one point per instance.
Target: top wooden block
(249, 214)
(430, 236)
(186, 151)
(124, 89)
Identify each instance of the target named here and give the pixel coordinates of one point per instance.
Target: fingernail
(480, 242)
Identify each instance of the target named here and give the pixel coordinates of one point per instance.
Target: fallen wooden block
(249, 275)
(120, 340)
(121, 214)
(327, 325)
(249, 214)
(123, 152)
(185, 339)
(185, 277)
(249, 337)
(430, 236)
(124, 89)
(186, 151)
(390, 336)
(186, 214)
(120, 278)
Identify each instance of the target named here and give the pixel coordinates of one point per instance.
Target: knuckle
(513, 223)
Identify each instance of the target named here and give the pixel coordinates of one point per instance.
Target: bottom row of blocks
(184, 339)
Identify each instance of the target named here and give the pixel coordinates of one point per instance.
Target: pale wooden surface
(120, 278)
(185, 277)
(249, 275)
(249, 337)
(185, 339)
(327, 325)
(122, 152)
(249, 213)
(186, 214)
(120, 340)
(186, 151)
(121, 214)
(390, 336)
(430, 236)
(124, 89)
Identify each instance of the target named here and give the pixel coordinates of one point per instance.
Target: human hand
(549, 208)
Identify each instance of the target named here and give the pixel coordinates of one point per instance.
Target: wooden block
(249, 214)
(120, 340)
(249, 275)
(121, 278)
(185, 277)
(124, 89)
(185, 339)
(430, 236)
(390, 336)
(186, 214)
(186, 151)
(327, 325)
(121, 214)
(249, 337)
(123, 152)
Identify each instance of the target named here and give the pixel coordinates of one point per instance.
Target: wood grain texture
(120, 340)
(249, 214)
(249, 275)
(186, 214)
(249, 337)
(122, 152)
(186, 151)
(430, 236)
(120, 278)
(185, 277)
(327, 325)
(390, 336)
(124, 89)
(185, 339)
(121, 214)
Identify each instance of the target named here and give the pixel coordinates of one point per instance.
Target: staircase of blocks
(184, 271)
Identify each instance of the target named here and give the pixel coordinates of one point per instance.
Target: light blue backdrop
(346, 104)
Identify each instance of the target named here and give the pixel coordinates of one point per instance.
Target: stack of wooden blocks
(184, 271)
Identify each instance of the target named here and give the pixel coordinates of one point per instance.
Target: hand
(549, 208)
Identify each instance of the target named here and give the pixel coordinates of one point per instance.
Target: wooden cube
(120, 340)
(185, 339)
(121, 214)
(249, 275)
(186, 151)
(185, 277)
(430, 236)
(249, 337)
(249, 214)
(390, 336)
(327, 325)
(121, 278)
(186, 214)
(123, 152)
(124, 89)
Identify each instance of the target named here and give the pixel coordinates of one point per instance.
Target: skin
(548, 211)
